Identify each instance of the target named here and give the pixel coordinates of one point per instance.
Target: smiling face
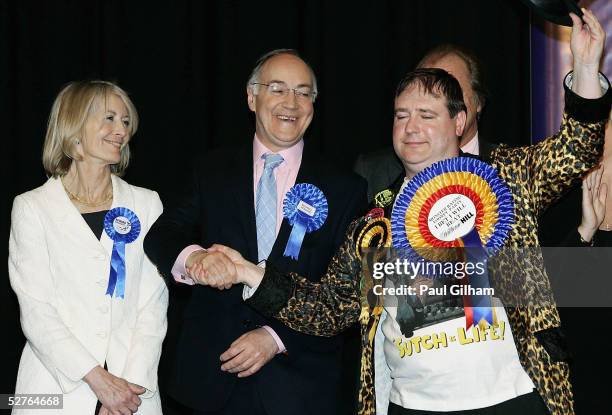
(423, 131)
(281, 120)
(106, 132)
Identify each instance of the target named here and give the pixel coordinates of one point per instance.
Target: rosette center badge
(451, 217)
(122, 225)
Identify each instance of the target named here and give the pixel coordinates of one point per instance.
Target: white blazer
(60, 271)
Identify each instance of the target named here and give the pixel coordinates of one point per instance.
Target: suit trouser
(244, 400)
(528, 404)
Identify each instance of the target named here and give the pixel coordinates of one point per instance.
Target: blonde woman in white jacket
(93, 307)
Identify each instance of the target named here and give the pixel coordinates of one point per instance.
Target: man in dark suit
(228, 358)
(381, 168)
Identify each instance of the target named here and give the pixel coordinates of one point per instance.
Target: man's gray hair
(254, 78)
(474, 66)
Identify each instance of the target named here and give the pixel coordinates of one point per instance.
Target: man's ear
(250, 98)
(460, 119)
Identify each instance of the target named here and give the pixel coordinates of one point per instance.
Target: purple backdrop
(551, 60)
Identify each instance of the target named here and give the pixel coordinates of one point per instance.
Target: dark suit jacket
(380, 168)
(219, 208)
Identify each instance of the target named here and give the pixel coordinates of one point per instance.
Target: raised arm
(552, 166)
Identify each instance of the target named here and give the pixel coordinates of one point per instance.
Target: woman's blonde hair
(67, 124)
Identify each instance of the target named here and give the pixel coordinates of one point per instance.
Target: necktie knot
(272, 161)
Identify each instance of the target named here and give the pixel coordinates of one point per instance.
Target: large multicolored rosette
(458, 203)
(123, 227)
(447, 200)
(305, 208)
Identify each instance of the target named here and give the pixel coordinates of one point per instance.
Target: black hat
(556, 11)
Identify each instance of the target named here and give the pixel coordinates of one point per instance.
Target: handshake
(221, 267)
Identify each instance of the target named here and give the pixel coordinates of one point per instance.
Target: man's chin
(413, 160)
(414, 165)
(286, 142)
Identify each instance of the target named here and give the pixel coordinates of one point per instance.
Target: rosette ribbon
(305, 208)
(477, 307)
(123, 227)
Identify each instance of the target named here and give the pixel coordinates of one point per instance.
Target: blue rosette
(305, 208)
(123, 227)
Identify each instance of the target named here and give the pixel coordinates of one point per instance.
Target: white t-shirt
(444, 367)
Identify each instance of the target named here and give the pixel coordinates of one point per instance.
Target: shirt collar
(292, 156)
(472, 146)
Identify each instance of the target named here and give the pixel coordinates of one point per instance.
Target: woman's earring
(77, 142)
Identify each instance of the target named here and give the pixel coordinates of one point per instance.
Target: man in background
(381, 168)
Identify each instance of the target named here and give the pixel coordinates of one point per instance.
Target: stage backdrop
(186, 64)
(552, 60)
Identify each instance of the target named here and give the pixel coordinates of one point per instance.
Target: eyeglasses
(280, 89)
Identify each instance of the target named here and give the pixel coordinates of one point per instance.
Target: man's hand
(232, 254)
(594, 194)
(117, 395)
(587, 45)
(587, 39)
(249, 353)
(248, 273)
(214, 269)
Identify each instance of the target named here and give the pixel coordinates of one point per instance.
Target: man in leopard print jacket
(429, 118)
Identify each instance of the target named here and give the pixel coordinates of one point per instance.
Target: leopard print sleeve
(549, 168)
(322, 309)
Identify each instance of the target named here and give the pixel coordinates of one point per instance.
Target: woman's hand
(117, 395)
(594, 194)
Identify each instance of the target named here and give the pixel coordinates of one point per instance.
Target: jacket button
(102, 334)
(246, 322)
(103, 309)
